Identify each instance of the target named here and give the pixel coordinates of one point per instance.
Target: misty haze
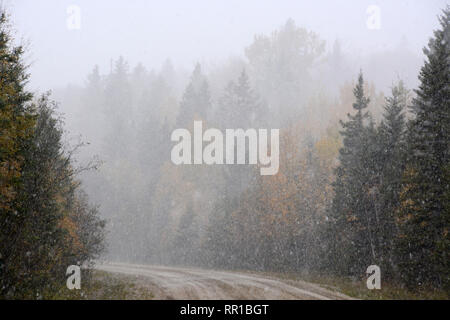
(92, 94)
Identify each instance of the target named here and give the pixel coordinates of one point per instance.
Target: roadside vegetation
(389, 291)
(101, 285)
(357, 288)
(46, 220)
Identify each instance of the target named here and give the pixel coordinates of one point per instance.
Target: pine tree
(354, 247)
(196, 100)
(40, 225)
(16, 117)
(118, 108)
(424, 213)
(186, 237)
(239, 107)
(17, 120)
(390, 161)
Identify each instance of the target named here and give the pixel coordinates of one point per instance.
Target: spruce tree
(424, 213)
(17, 120)
(239, 107)
(196, 100)
(16, 116)
(44, 225)
(390, 161)
(186, 237)
(353, 246)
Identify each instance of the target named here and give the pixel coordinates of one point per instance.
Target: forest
(46, 220)
(363, 179)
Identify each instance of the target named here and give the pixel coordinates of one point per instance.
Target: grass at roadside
(111, 286)
(102, 285)
(389, 291)
(358, 288)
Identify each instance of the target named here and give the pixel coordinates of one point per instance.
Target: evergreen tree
(16, 116)
(239, 106)
(56, 227)
(186, 237)
(390, 160)
(41, 215)
(118, 111)
(354, 247)
(424, 213)
(17, 120)
(196, 100)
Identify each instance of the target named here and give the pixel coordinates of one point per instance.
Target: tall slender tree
(17, 120)
(196, 100)
(424, 214)
(391, 159)
(354, 245)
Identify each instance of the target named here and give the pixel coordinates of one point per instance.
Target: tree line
(371, 189)
(46, 221)
(386, 204)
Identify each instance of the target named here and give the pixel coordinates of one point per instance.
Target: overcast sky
(188, 31)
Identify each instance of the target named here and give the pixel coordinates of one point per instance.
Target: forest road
(190, 283)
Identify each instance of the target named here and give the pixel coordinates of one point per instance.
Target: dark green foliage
(391, 205)
(424, 214)
(351, 208)
(390, 167)
(45, 223)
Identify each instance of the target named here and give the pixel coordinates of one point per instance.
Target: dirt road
(187, 283)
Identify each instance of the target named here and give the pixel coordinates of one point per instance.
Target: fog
(127, 73)
(207, 31)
